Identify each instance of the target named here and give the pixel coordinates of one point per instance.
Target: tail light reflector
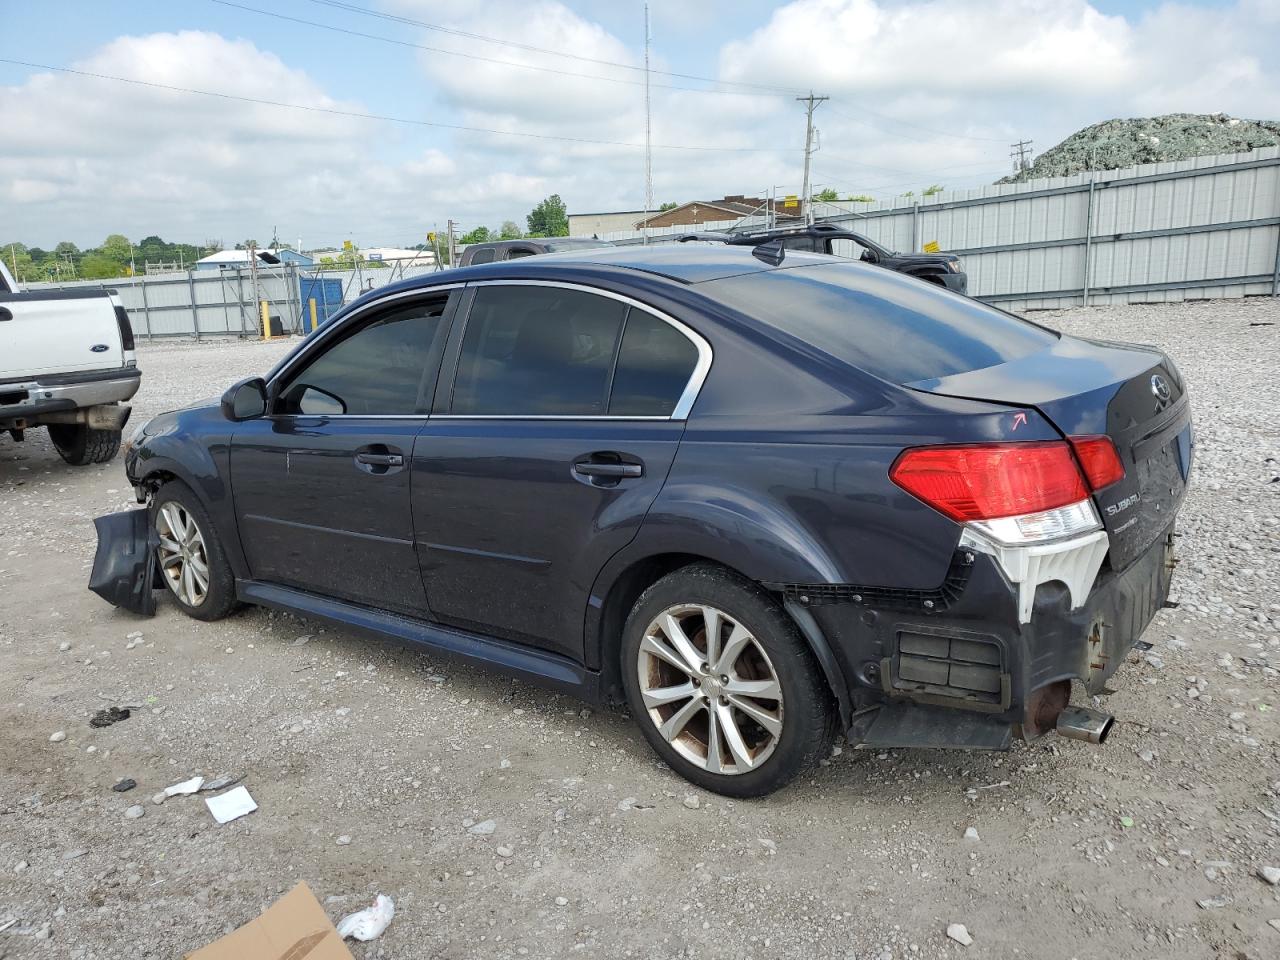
(987, 481)
(1099, 459)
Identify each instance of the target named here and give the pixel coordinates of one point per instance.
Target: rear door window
(654, 367)
(537, 351)
(893, 327)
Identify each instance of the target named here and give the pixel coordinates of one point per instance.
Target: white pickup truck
(66, 363)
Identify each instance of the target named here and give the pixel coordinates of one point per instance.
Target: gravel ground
(370, 762)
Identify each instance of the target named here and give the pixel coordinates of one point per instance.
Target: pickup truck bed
(66, 363)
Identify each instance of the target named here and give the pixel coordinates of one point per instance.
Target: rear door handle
(609, 470)
(380, 459)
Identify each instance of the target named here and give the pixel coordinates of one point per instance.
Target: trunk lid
(1132, 394)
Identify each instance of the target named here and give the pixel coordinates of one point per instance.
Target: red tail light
(1099, 459)
(990, 480)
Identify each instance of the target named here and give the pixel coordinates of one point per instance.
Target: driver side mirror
(247, 400)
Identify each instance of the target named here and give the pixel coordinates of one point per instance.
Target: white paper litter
(231, 805)
(186, 786)
(369, 922)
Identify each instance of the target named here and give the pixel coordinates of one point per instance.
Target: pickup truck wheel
(722, 684)
(81, 445)
(190, 558)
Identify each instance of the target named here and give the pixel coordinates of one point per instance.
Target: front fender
(198, 454)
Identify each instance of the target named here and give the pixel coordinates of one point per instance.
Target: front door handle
(613, 471)
(5, 314)
(380, 459)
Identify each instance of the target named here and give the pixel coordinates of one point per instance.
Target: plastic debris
(231, 805)
(960, 934)
(369, 923)
(221, 783)
(185, 787)
(125, 785)
(105, 718)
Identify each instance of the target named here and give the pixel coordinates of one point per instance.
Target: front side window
(385, 368)
(537, 351)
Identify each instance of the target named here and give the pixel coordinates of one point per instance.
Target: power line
(907, 123)
(356, 8)
(1020, 153)
(479, 57)
(389, 119)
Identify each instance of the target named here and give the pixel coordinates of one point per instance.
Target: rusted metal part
(1043, 708)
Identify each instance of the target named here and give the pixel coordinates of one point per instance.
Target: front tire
(722, 684)
(190, 557)
(80, 445)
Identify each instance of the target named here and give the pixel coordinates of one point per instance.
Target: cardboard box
(295, 927)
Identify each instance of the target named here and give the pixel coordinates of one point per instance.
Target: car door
(544, 452)
(322, 483)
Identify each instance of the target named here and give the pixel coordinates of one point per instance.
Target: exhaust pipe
(1084, 723)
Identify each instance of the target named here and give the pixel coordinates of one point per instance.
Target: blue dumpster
(327, 293)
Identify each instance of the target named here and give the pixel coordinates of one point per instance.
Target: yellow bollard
(266, 321)
(312, 302)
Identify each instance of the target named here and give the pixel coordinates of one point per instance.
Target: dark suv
(498, 251)
(940, 268)
(758, 503)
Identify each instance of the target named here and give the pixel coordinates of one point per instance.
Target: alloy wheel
(183, 558)
(710, 689)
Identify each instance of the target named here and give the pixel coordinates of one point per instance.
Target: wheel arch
(611, 602)
(214, 497)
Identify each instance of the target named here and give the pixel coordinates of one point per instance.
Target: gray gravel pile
(509, 822)
(1117, 144)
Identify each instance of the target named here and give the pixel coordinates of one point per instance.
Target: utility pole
(648, 132)
(452, 259)
(1020, 153)
(811, 104)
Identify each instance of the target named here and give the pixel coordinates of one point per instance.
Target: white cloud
(922, 91)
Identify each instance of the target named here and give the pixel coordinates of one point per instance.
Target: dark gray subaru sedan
(759, 497)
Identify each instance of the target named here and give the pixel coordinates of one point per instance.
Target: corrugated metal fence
(1192, 229)
(218, 303)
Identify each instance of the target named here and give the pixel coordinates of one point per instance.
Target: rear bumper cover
(30, 400)
(966, 655)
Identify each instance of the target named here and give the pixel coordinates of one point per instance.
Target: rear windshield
(892, 326)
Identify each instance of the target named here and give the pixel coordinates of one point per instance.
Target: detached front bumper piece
(124, 566)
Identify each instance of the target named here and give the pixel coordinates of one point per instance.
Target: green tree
(860, 198)
(826, 195)
(510, 231)
(478, 235)
(95, 266)
(550, 218)
(18, 259)
(933, 188)
(669, 205)
(67, 249)
(117, 247)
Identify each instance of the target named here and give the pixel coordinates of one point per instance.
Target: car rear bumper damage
(985, 659)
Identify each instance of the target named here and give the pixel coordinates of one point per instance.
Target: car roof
(681, 262)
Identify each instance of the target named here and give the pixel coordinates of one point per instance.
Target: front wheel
(722, 684)
(189, 555)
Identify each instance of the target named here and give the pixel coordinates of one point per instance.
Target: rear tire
(754, 691)
(80, 445)
(190, 557)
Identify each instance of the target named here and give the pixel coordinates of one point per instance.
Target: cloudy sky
(486, 107)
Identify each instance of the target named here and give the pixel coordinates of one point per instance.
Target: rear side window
(892, 326)
(654, 366)
(483, 256)
(537, 351)
(515, 253)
